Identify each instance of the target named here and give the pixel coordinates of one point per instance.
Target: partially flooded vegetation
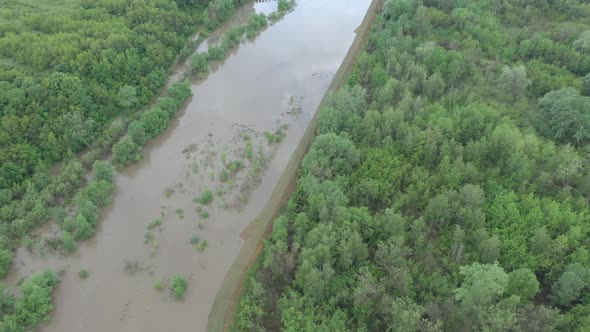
(156, 208)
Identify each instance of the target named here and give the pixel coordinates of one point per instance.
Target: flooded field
(182, 208)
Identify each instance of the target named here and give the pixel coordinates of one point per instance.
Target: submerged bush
(178, 286)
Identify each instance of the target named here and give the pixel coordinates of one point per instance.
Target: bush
(126, 151)
(103, 171)
(168, 105)
(159, 285)
(199, 65)
(84, 230)
(155, 121)
(83, 274)
(5, 262)
(68, 242)
(206, 197)
(178, 286)
(215, 53)
(180, 91)
(97, 192)
(137, 132)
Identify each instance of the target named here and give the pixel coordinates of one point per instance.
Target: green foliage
(178, 286)
(206, 197)
(330, 155)
(126, 151)
(103, 171)
(5, 261)
(523, 283)
(32, 307)
(564, 112)
(159, 285)
(586, 87)
(68, 242)
(154, 224)
(514, 81)
(83, 274)
(430, 200)
(199, 65)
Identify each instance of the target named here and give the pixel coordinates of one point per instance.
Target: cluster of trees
(447, 189)
(31, 307)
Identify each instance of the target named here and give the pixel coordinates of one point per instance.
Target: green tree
(126, 151)
(127, 96)
(514, 81)
(523, 283)
(331, 155)
(565, 112)
(103, 171)
(586, 85)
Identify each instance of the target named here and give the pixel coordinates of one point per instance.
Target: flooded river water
(276, 80)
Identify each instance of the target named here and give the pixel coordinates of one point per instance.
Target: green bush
(103, 171)
(178, 286)
(5, 261)
(215, 53)
(206, 197)
(83, 274)
(126, 151)
(199, 65)
(68, 242)
(137, 132)
(155, 121)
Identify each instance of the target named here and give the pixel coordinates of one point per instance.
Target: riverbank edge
(221, 315)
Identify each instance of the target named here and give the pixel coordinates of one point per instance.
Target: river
(276, 80)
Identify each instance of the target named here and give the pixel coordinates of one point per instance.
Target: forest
(447, 187)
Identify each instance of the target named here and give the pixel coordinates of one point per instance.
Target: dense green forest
(447, 188)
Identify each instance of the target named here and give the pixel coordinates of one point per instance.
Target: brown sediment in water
(228, 296)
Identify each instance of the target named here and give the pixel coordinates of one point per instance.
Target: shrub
(5, 261)
(178, 286)
(195, 239)
(199, 65)
(179, 91)
(205, 214)
(155, 121)
(215, 52)
(155, 223)
(97, 192)
(68, 242)
(168, 105)
(159, 285)
(206, 197)
(103, 171)
(126, 151)
(83, 274)
(137, 132)
(224, 175)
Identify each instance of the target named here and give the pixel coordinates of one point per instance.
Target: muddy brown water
(250, 93)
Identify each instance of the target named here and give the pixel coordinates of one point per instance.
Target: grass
(159, 285)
